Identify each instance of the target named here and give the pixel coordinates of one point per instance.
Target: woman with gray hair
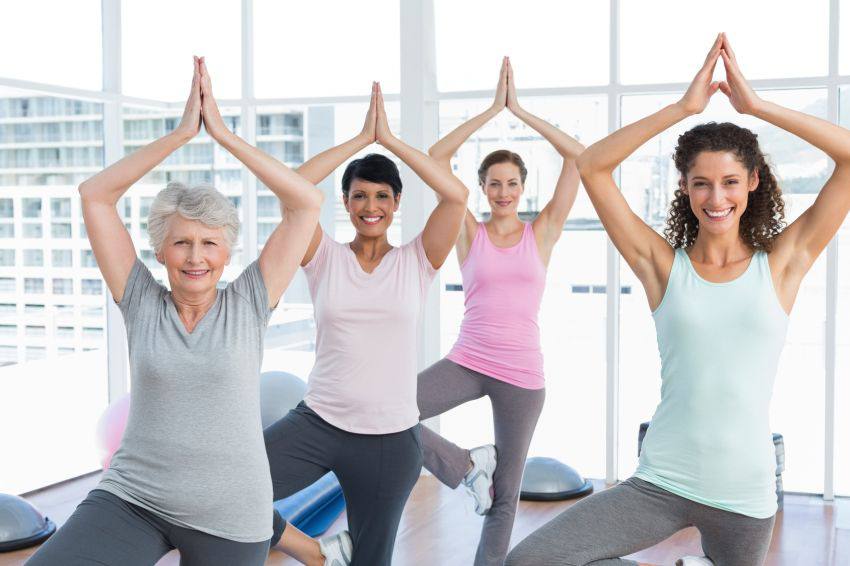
(192, 471)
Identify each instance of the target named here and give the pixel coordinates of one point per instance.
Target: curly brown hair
(764, 217)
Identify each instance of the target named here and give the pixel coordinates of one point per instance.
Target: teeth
(371, 218)
(715, 214)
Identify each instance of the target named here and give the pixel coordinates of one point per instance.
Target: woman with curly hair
(720, 287)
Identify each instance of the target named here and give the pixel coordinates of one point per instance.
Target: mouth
(718, 215)
(195, 273)
(371, 220)
(503, 203)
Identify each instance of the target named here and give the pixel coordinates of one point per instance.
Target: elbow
(459, 196)
(317, 200)
(588, 165)
(85, 190)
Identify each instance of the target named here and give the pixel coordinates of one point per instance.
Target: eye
(383, 196)
(732, 181)
(358, 196)
(210, 243)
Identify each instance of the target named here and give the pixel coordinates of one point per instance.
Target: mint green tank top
(710, 439)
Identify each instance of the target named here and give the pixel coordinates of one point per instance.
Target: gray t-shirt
(193, 450)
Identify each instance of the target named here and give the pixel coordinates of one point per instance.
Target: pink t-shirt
(364, 379)
(502, 287)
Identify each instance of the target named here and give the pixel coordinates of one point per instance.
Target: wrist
(683, 110)
(181, 135)
(364, 138)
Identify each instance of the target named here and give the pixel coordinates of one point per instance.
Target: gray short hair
(202, 203)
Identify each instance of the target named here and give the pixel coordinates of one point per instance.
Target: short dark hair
(374, 168)
(501, 156)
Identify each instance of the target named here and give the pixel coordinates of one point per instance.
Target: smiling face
(370, 207)
(718, 186)
(194, 255)
(503, 188)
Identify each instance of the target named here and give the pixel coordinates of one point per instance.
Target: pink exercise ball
(110, 428)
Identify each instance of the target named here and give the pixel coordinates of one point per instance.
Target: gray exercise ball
(547, 479)
(279, 392)
(21, 524)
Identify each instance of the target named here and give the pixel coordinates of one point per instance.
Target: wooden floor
(439, 528)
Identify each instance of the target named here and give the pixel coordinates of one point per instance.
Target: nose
(195, 254)
(716, 197)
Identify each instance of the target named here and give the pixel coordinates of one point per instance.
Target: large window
(48, 144)
(472, 36)
(329, 47)
(309, 93)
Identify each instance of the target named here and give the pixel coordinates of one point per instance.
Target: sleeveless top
(503, 287)
(710, 439)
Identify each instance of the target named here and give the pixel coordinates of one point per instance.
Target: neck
(504, 223)
(719, 249)
(370, 247)
(192, 306)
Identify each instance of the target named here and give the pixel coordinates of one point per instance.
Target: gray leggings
(635, 515)
(376, 472)
(446, 385)
(105, 529)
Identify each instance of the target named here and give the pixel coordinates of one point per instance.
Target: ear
(160, 257)
(345, 202)
(683, 185)
(397, 199)
(754, 181)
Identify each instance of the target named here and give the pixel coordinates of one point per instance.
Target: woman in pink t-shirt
(503, 263)
(360, 417)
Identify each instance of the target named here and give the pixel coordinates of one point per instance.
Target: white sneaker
(694, 561)
(479, 480)
(337, 549)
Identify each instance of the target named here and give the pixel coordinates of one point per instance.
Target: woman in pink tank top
(503, 264)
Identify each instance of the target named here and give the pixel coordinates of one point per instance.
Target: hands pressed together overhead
(741, 95)
(201, 106)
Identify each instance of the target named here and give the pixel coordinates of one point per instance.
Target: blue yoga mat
(314, 508)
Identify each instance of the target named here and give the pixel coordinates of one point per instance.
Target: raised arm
(646, 252)
(320, 166)
(300, 199)
(443, 225)
(550, 222)
(445, 148)
(798, 246)
(111, 243)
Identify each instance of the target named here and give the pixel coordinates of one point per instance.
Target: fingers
(725, 88)
(711, 57)
(728, 47)
(712, 88)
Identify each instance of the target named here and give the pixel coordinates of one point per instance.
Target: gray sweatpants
(446, 385)
(635, 515)
(376, 472)
(105, 529)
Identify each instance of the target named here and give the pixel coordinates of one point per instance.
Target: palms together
(741, 95)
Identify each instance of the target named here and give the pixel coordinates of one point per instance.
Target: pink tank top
(503, 287)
